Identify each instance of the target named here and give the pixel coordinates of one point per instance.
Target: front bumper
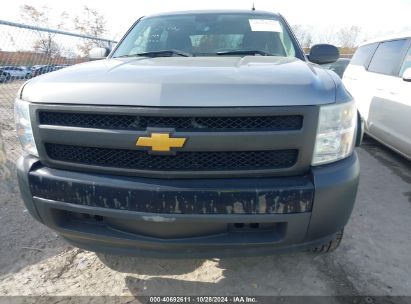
(197, 217)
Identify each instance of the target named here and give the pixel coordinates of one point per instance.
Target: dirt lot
(374, 258)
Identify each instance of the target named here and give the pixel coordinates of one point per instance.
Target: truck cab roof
(189, 12)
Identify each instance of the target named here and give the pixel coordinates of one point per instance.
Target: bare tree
(326, 35)
(348, 36)
(303, 35)
(91, 23)
(45, 42)
(47, 46)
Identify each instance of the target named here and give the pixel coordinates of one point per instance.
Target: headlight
(335, 134)
(23, 127)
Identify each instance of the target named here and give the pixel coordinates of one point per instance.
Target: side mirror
(98, 53)
(407, 75)
(323, 53)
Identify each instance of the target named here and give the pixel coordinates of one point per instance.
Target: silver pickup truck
(203, 133)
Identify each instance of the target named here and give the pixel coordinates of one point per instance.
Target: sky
(374, 17)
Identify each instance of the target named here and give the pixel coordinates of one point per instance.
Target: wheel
(331, 245)
(4, 77)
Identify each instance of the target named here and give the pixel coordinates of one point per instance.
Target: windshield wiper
(244, 52)
(162, 53)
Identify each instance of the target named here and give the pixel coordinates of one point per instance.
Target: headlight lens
(335, 134)
(23, 127)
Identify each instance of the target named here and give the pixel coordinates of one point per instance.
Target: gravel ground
(373, 258)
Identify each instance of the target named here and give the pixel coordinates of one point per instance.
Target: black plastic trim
(209, 196)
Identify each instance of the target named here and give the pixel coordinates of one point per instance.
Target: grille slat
(198, 123)
(182, 161)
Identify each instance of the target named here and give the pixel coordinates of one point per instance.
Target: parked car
(338, 67)
(61, 66)
(16, 72)
(34, 67)
(379, 78)
(43, 70)
(203, 133)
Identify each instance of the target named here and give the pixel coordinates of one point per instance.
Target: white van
(379, 78)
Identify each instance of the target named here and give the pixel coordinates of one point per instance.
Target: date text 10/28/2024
(202, 299)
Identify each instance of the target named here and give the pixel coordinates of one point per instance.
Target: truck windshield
(209, 34)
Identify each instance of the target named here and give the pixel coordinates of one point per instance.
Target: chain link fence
(26, 52)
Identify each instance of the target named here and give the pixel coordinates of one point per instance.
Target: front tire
(8, 78)
(331, 245)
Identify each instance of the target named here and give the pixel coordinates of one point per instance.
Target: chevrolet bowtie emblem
(160, 142)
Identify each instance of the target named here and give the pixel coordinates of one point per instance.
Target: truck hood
(186, 82)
